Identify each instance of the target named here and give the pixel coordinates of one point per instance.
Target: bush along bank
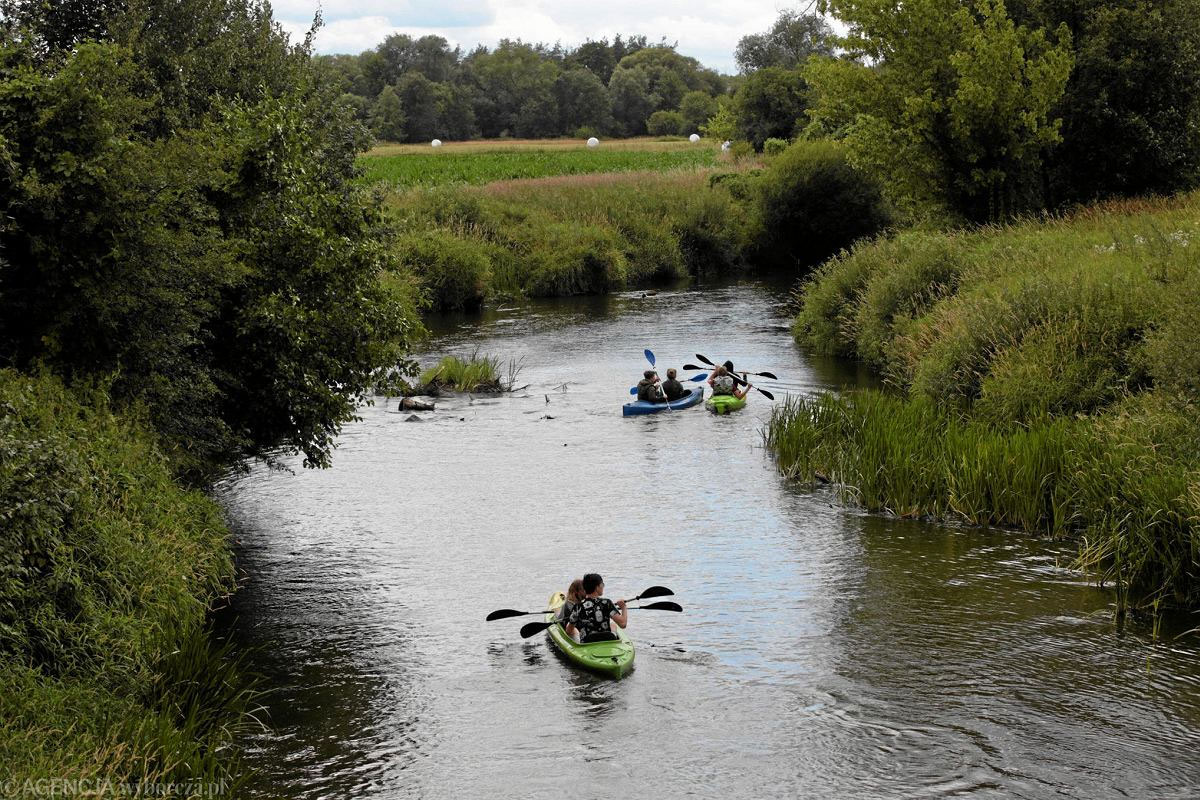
(1044, 377)
(594, 234)
(108, 571)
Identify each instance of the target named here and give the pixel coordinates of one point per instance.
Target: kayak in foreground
(724, 403)
(638, 407)
(613, 659)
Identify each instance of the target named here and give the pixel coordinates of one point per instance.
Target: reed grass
(478, 374)
(1045, 379)
(567, 236)
(107, 572)
(1134, 506)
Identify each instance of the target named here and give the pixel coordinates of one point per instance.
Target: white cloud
(705, 29)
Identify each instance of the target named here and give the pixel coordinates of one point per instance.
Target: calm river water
(823, 653)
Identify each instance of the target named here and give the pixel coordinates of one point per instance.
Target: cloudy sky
(705, 29)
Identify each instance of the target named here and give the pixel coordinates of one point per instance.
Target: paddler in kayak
(672, 388)
(590, 619)
(722, 382)
(574, 596)
(649, 389)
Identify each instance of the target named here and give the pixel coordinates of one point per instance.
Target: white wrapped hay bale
(593, 142)
(436, 143)
(695, 137)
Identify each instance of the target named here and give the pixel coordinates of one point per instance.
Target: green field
(475, 166)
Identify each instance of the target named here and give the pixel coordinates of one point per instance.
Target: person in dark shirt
(574, 596)
(648, 388)
(672, 388)
(590, 618)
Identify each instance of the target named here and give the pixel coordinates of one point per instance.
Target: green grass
(1045, 379)
(476, 167)
(567, 235)
(107, 572)
(475, 374)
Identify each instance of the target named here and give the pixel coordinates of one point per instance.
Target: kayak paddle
(534, 628)
(738, 380)
(649, 356)
(505, 613)
(770, 375)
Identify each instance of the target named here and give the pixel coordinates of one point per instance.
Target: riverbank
(565, 235)
(1044, 378)
(107, 671)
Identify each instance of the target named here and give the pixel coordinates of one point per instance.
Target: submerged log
(416, 404)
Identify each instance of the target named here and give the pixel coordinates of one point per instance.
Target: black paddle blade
(766, 394)
(693, 366)
(534, 628)
(660, 607)
(655, 591)
(705, 360)
(503, 613)
(770, 375)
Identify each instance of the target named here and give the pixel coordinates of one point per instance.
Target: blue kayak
(639, 407)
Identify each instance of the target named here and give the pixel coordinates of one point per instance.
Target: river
(822, 653)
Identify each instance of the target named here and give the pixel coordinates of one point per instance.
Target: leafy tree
(696, 107)
(1131, 109)
(513, 89)
(655, 79)
(956, 111)
(665, 123)
(792, 39)
(387, 118)
(722, 125)
(179, 219)
(629, 91)
(582, 101)
(769, 105)
(596, 57)
(456, 111)
(419, 98)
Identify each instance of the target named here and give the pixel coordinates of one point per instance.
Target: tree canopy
(178, 222)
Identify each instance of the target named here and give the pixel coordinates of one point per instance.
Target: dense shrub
(773, 147)
(577, 259)
(455, 272)
(666, 123)
(812, 203)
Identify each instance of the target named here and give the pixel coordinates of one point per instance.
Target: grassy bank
(108, 572)
(1045, 377)
(591, 234)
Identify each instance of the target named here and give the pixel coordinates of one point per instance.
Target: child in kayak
(591, 617)
(574, 596)
(648, 388)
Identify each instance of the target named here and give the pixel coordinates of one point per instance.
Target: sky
(707, 30)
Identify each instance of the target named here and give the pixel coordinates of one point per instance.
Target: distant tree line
(415, 89)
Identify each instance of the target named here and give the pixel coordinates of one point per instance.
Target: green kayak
(613, 659)
(724, 403)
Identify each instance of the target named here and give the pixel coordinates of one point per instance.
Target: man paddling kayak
(649, 389)
(590, 618)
